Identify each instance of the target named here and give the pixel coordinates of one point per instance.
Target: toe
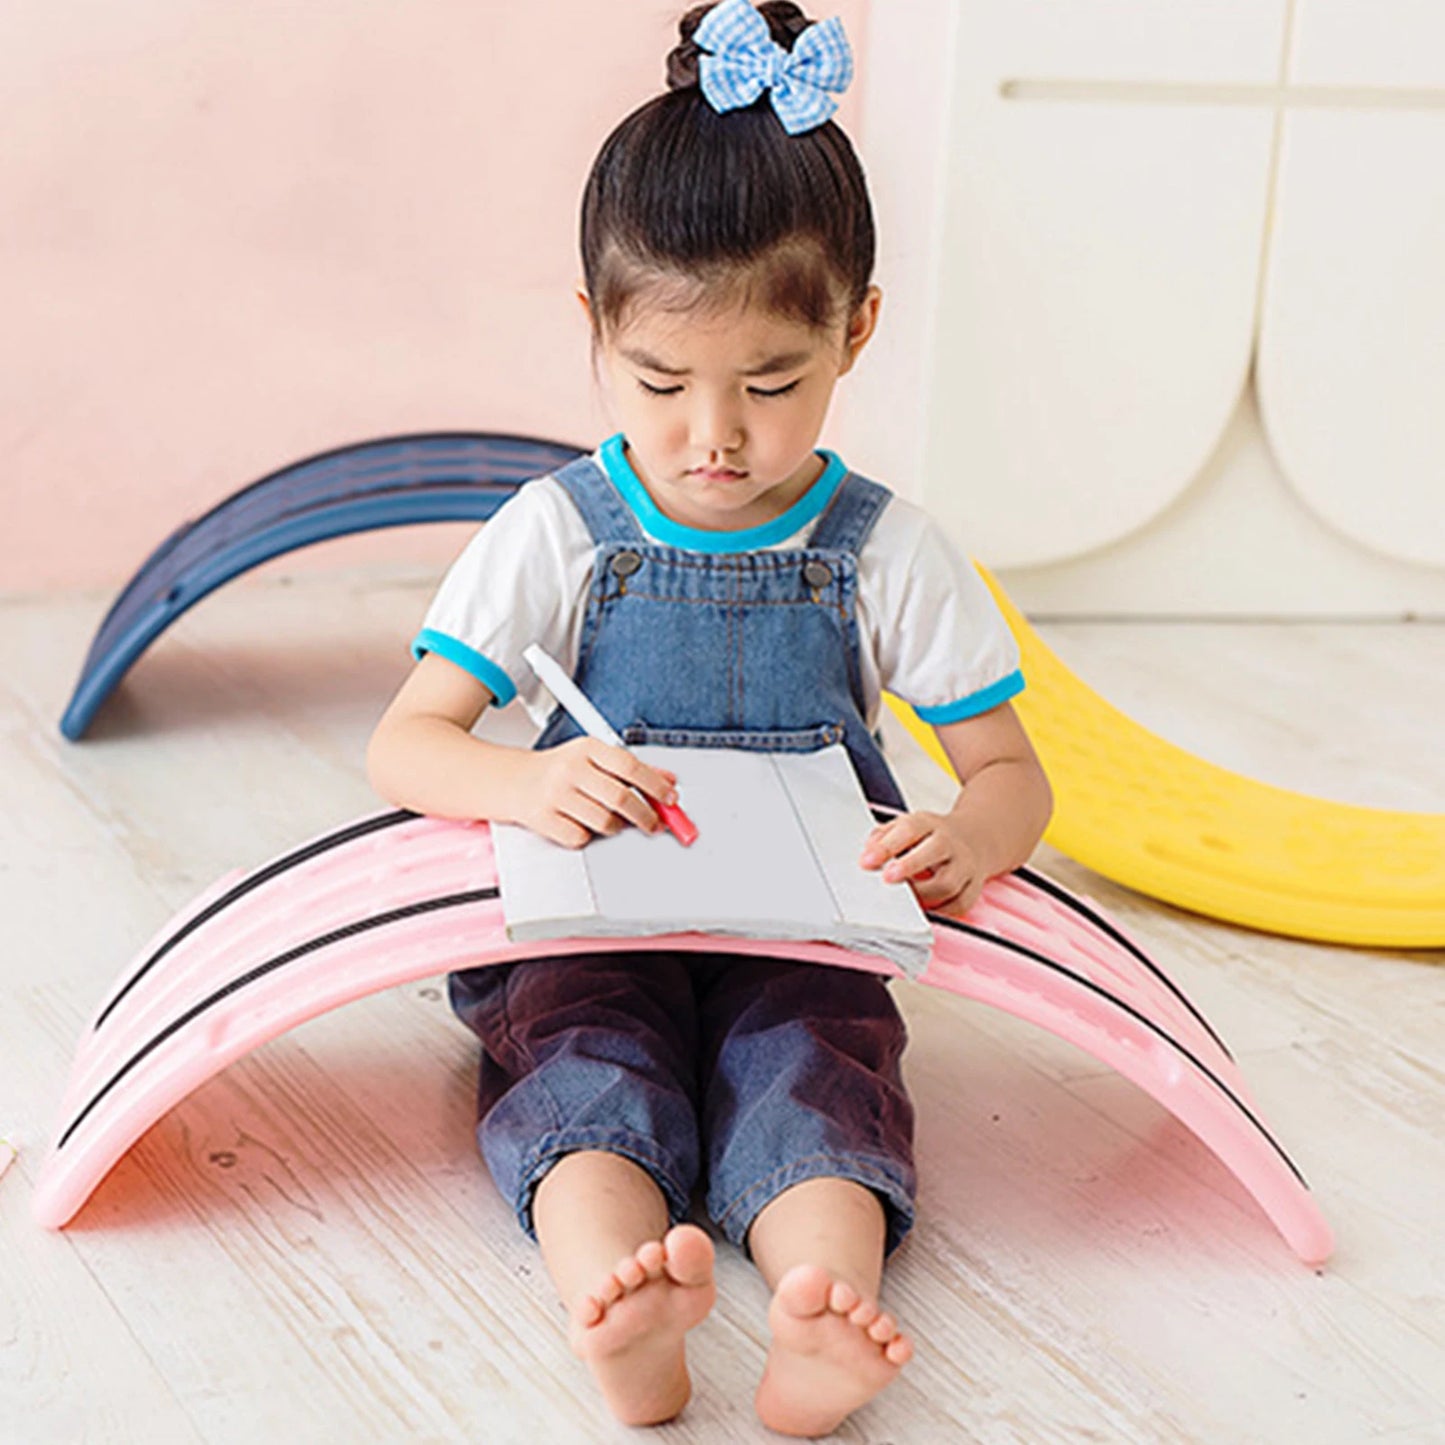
(689, 1255)
(843, 1298)
(589, 1311)
(630, 1274)
(652, 1257)
(882, 1329)
(803, 1291)
(899, 1350)
(863, 1314)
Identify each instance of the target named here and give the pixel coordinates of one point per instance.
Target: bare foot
(832, 1351)
(630, 1329)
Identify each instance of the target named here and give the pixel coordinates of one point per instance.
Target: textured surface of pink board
(396, 897)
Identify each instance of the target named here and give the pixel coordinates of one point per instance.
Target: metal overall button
(817, 575)
(623, 565)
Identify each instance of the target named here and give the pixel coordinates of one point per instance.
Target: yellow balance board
(1160, 820)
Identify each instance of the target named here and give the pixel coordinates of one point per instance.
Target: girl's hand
(584, 788)
(930, 853)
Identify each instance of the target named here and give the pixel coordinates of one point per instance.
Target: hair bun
(682, 58)
(786, 22)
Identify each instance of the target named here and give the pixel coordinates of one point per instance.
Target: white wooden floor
(308, 1249)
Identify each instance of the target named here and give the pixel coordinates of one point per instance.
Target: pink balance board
(396, 897)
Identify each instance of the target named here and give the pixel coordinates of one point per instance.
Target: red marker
(678, 823)
(581, 710)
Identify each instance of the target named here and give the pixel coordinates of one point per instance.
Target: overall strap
(607, 516)
(849, 517)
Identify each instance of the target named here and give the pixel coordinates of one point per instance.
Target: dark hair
(690, 204)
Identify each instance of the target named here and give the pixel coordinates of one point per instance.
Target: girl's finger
(876, 847)
(956, 902)
(970, 895)
(892, 839)
(592, 815)
(629, 769)
(627, 804)
(929, 855)
(563, 831)
(938, 891)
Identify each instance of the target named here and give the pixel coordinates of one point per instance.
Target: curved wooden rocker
(395, 897)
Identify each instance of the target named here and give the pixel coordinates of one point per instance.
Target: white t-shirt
(929, 631)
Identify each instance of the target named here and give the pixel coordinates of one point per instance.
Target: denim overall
(773, 1071)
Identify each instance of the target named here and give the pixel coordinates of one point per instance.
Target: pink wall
(233, 235)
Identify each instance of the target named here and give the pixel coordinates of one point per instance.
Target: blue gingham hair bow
(744, 60)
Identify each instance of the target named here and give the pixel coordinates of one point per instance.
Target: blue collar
(699, 539)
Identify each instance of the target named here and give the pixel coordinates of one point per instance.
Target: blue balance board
(392, 482)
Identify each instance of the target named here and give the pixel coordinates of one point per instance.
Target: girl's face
(721, 412)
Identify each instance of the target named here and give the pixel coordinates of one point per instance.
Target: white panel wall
(1352, 338)
(1101, 219)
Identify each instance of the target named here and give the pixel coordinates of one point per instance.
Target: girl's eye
(651, 390)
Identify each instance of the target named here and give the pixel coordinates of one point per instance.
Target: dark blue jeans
(771, 1071)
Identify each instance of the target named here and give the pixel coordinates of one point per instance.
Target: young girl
(711, 578)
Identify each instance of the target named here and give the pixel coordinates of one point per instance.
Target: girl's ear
(586, 301)
(861, 326)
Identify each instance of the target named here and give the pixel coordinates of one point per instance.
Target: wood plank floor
(309, 1250)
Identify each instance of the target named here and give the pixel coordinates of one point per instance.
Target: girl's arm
(1002, 808)
(423, 756)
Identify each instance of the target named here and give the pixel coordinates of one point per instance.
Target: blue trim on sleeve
(976, 703)
(482, 668)
(699, 539)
